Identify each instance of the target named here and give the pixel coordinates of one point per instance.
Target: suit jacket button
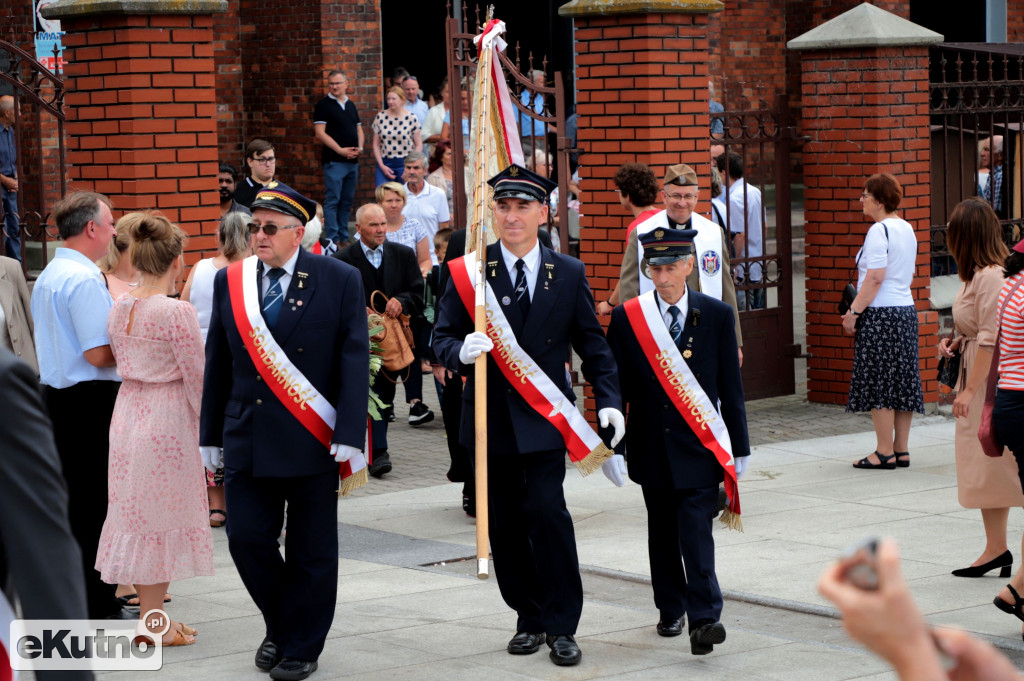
(259, 401)
(548, 341)
(668, 430)
(298, 349)
(258, 378)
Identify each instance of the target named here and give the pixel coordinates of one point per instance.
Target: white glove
(343, 453)
(475, 345)
(615, 470)
(741, 465)
(213, 458)
(613, 417)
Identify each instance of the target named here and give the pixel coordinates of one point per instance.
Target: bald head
(372, 225)
(7, 110)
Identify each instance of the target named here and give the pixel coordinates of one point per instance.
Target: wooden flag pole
(480, 317)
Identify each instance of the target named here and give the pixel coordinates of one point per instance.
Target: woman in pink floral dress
(157, 528)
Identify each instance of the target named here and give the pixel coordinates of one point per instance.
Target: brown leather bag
(395, 338)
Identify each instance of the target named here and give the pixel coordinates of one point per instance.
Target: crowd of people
(260, 372)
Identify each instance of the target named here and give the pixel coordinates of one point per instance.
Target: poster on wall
(48, 37)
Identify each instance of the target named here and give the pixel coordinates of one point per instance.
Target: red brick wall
(866, 111)
(227, 59)
(141, 116)
(642, 96)
(1015, 21)
(748, 50)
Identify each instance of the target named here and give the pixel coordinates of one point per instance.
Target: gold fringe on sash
(731, 520)
(593, 461)
(353, 482)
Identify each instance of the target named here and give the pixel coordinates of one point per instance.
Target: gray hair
(76, 210)
(233, 235)
(415, 156)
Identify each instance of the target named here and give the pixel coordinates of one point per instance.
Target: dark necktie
(273, 298)
(522, 290)
(675, 328)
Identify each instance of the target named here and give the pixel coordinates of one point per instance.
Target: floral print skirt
(886, 372)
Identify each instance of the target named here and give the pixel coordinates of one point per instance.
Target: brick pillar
(865, 111)
(642, 96)
(141, 115)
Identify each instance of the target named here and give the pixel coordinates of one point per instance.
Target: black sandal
(902, 459)
(1017, 609)
(218, 523)
(884, 463)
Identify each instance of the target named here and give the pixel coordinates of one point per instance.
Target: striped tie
(675, 329)
(522, 290)
(273, 297)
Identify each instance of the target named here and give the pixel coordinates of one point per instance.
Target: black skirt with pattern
(886, 370)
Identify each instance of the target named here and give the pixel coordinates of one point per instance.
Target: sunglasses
(269, 230)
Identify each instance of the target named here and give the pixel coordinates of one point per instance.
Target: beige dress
(982, 481)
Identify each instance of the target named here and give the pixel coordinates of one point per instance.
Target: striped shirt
(1011, 338)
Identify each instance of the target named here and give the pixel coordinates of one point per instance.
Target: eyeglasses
(265, 160)
(408, 78)
(681, 197)
(269, 230)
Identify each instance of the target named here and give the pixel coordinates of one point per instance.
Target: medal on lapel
(492, 265)
(506, 300)
(301, 276)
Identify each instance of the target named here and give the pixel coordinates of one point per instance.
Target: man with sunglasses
(284, 402)
(259, 156)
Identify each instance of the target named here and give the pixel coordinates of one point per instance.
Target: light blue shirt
(70, 305)
(683, 304)
(531, 263)
(286, 278)
(374, 255)
(419, 108)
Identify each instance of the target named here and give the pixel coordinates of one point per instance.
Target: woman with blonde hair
(116, 267)
(401, 229)
(975, 240)
(396, 133)
(156, 529)
(235, 244)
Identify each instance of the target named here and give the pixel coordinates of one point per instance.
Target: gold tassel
(731, 520)
(593, 461)
(353, 482)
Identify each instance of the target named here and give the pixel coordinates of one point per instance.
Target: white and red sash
(685, 393)
(298, 395)
(586, 450)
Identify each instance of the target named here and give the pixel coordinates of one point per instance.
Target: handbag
(949, 368)
(394, 338)
(990, 444)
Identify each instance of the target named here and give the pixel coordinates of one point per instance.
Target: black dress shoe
(564, 651)
(705, 635)
(290, 669)
(668, 628)
(267, 655)
(381, 464)
(1004, 561)
(525, 643)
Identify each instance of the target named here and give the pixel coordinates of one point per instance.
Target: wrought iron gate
(763, 138)
(39, 139)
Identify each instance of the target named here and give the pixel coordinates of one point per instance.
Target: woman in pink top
(1008, 413)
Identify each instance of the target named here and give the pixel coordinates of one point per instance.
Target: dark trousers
(12, 224)
(678, 535)
(533, 542)
(81, 429)
(296, 592)
(385, 390)
(1007, 418)
(461, 469)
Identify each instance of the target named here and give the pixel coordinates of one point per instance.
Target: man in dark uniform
(676, 352)
(307, 314)
(544, 301)
(391, 269)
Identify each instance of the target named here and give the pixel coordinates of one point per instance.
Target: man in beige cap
(712, 274)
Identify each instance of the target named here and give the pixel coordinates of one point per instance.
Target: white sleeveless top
(201, 295)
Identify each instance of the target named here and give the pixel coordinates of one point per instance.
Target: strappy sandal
(218, 523)
(902, 459)
(1016, 609)
(885, 463)
(184, 628)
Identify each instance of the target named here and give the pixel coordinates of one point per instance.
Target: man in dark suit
(676, 352)
(392, 269)
(37, 551)
(309, 338)
(545, 302)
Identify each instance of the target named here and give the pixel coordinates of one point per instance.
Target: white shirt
(430, 207)
(745, 217)
(286, 278)
(531, 263)
(897, 255)
(683, 304)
